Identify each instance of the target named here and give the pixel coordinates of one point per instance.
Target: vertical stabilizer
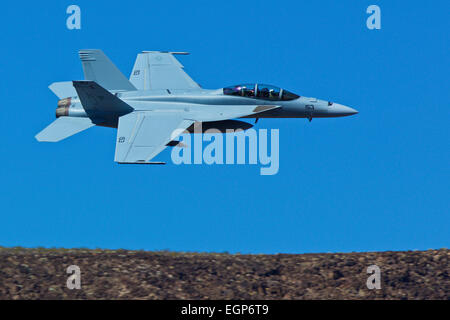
(97, 67)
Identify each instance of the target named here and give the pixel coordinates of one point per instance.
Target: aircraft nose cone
(339, 110)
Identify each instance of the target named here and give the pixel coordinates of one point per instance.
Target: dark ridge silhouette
(125, 274)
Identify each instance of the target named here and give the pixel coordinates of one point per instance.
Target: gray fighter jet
(160, 101)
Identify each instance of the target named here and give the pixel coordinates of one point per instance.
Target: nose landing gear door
(309, 109)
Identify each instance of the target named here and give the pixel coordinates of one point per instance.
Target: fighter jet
(160, 101)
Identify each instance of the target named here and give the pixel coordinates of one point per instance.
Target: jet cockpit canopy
(260, 91)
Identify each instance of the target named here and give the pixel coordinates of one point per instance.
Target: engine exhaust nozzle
(63, 107)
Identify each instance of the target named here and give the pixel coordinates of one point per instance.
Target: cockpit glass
(244, 90)
(268, 92)
(232, 91)
(260, 91)
(289, 96)
(248, 90)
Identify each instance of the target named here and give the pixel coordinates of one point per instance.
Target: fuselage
(199, 99)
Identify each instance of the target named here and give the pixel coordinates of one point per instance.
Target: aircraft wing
(160, 70)
(141, 135)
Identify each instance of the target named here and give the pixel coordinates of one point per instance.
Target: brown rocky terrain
(124, 274)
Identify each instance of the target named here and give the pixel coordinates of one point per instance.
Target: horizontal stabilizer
(62, 128)
(97, 67)
(63, 89)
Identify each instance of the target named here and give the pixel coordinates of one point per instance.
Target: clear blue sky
(375, 181)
